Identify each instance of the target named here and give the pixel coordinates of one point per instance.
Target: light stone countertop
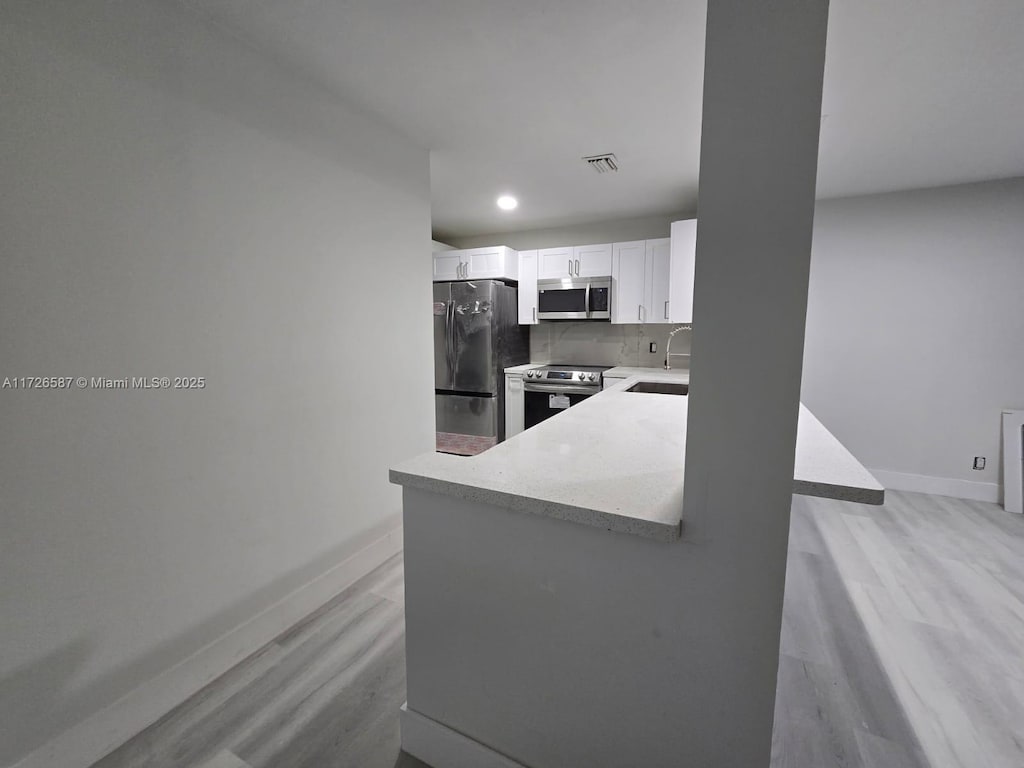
(624, 371)
(521, 368)
(616, 461)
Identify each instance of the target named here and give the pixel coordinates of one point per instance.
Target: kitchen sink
(660, 387)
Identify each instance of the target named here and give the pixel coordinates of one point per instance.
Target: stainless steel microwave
(574, 298)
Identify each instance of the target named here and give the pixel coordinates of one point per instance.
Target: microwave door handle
(586, 301)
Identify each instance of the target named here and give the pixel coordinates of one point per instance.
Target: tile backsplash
(596, 343)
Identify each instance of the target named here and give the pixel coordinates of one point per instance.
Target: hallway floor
(900, 648)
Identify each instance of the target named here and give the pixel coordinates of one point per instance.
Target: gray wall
(174, 204)
(915, 325)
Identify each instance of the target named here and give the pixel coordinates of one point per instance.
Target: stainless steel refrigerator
(476, 336)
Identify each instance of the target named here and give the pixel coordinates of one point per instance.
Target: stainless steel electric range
(550, 389)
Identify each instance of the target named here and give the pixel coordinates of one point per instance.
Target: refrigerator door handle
(449, 324)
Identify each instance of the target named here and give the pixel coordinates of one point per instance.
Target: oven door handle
(560, 389)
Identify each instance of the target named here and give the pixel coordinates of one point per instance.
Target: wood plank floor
(900, 648)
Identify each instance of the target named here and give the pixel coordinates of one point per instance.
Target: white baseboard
(83, 744)
(940, 486)
(441, 747)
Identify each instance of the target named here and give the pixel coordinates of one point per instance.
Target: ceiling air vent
(602, 163)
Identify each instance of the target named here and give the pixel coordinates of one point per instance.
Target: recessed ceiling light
(507, 203)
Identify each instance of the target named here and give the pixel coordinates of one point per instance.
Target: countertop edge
(648, 529)
(872, 496)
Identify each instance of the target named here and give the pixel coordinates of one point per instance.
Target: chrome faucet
(668, 345)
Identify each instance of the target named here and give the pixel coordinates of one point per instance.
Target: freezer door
(443, 378)
(466, 425)
(475, 368)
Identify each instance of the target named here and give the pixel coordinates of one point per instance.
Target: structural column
(764, 64)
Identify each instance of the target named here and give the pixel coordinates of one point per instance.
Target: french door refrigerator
(476, 336)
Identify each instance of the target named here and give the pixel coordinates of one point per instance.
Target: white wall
(174, 204)
(610, 231)
(915, 329)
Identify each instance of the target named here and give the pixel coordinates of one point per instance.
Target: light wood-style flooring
(902, 647)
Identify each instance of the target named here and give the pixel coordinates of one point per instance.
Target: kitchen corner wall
(176, 204)
(595, 343)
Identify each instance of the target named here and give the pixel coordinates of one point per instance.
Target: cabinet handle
(535, 314)
(570, 267)
(577, 267)
(640, 312)
(458, 270)
(666, 310)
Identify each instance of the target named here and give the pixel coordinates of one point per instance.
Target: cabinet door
(447, 265)
(497, 263)
(628, 282)
(593, 260)
(514, 408)
(527, 287)
(555, 262)
(659, 261)
(684, 252)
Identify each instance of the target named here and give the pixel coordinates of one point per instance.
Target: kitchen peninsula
(553, 589)
(616, 462)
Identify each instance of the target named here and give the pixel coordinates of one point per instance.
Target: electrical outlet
(654, 347)
(979, 462)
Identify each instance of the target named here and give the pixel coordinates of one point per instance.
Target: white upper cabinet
(499, 262)
(640, 281)
(684, 252)
(555, 262)
(447, 265)
(593, 260)
(495, 263)
(575, 261)
(658, 277)
(629, 303)
(527, 287)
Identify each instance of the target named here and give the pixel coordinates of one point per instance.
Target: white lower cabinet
(515, 408)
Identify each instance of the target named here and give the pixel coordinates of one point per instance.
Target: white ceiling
(510, 94)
